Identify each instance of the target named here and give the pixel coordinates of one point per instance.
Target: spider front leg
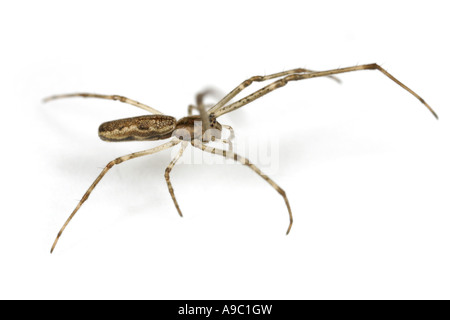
(103, 173)
(295, 77)
(167, 176)
(249, 81)
(246, 162)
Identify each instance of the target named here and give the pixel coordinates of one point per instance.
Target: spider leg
(294, 77)
(190, 108)
(167, 175)
(230, 137)
(199, 100)
(225, 141)
(103, 173)
(246, 162)
(103, 96)
(201, 95)
(249, 81)
(229, 128)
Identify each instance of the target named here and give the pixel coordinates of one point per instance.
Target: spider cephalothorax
(192, 128)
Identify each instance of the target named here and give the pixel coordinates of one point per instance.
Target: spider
(187, 131)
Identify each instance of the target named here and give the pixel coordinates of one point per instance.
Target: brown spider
(184, 131)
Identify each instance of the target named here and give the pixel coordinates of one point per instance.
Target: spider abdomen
(144, 128)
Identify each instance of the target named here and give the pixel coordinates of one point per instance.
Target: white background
(364, 164)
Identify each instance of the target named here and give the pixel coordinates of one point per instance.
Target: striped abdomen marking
(151, 127)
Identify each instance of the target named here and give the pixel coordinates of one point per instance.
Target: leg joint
(373, 66)
(111, 164)
(167, 172)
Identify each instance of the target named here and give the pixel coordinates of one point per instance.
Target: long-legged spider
(159, 126)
